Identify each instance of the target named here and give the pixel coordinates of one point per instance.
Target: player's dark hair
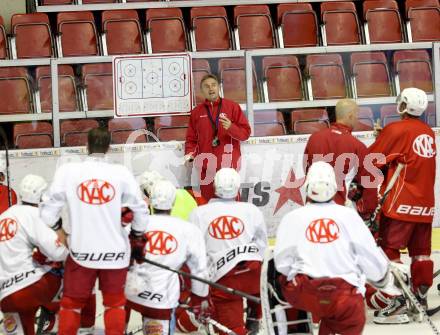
(98, 140)
(208, 76)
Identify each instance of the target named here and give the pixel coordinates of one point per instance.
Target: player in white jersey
(94, 191)
(236, 239)
(325, 252)
(153, 291)
(25, 284)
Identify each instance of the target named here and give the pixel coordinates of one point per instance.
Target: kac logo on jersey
(322, 231)
(160, 243)
(10, 323)
(226, 228)
(95, 192)
(423, 146)
(8, 229)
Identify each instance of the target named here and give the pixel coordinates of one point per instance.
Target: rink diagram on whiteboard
(152, 85)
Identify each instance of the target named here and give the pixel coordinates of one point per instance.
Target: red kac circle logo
(160, 243)
(95, 192)
(8, 229)
(226, 228)
(322, 231)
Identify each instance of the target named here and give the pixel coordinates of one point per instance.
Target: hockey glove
(126, 216)
(137, 244)
(202, 307)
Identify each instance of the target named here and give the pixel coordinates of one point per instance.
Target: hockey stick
(372, 221)
(412, 298)
(210, 283)
(214, 323)
(433, 311)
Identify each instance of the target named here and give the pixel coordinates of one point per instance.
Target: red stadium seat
(383, 23)
(308, 121)
(413, 69)
(253, 27)
(297, 25)
(282, 78)
(370, 75)
(32, 35)
(123, 33)
(365, 120)
(424, 20)
(122, 129)
(15, 91)
(3, 41)
(166, 30)
(98, 81)
(388, 114)
(269, 123)
(32, 135)
(210, 29)
(232, 79)
(326, 76)
(340, 23)
(200, 68)
(77, 34)
(74, 132)
(171, 128)
(67, 90)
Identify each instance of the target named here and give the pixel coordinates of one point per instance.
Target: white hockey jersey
(328, 240)
(233, 231)
(21, 230)
(171, 242)
(94, 191)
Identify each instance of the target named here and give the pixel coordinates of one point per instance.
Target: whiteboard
(152, 85)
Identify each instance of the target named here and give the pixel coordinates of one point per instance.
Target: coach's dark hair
(209, 76)
(98, 140)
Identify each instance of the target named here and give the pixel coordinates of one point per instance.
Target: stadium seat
(171, 128)
(423, 20)
(382, 22)
(121, 129)
(76, 34)
(98, 82)
(86, 2)
(269, 123)
(200, 68)
(165, 30)
(308, 121)
(430, 116)
(413, 69)
(297, 25)
(15, 91)
(326, 77)
(3, 41)
(369, 74)
(232, 79)
(282, 78)
(365, 120)
(121, 32)
(340, 24)
(388, 114)
(74, 132)
(67, 90)
(210, 29)
(56, 2)
(253, 27)
(32, 135)
(31, 35)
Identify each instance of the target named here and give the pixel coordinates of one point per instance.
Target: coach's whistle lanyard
(215, 123)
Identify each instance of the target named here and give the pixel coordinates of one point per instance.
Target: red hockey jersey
(4, 205)
(411, 142)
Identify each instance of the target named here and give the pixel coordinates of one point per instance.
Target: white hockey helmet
(148, 179)
(163, 195)
(321, 182)
(226, 183)
(32, 188)
(415, 99)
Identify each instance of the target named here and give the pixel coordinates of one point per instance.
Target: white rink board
(266, 164)
(152, 84)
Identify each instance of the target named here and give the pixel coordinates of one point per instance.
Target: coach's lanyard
(215, 123)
